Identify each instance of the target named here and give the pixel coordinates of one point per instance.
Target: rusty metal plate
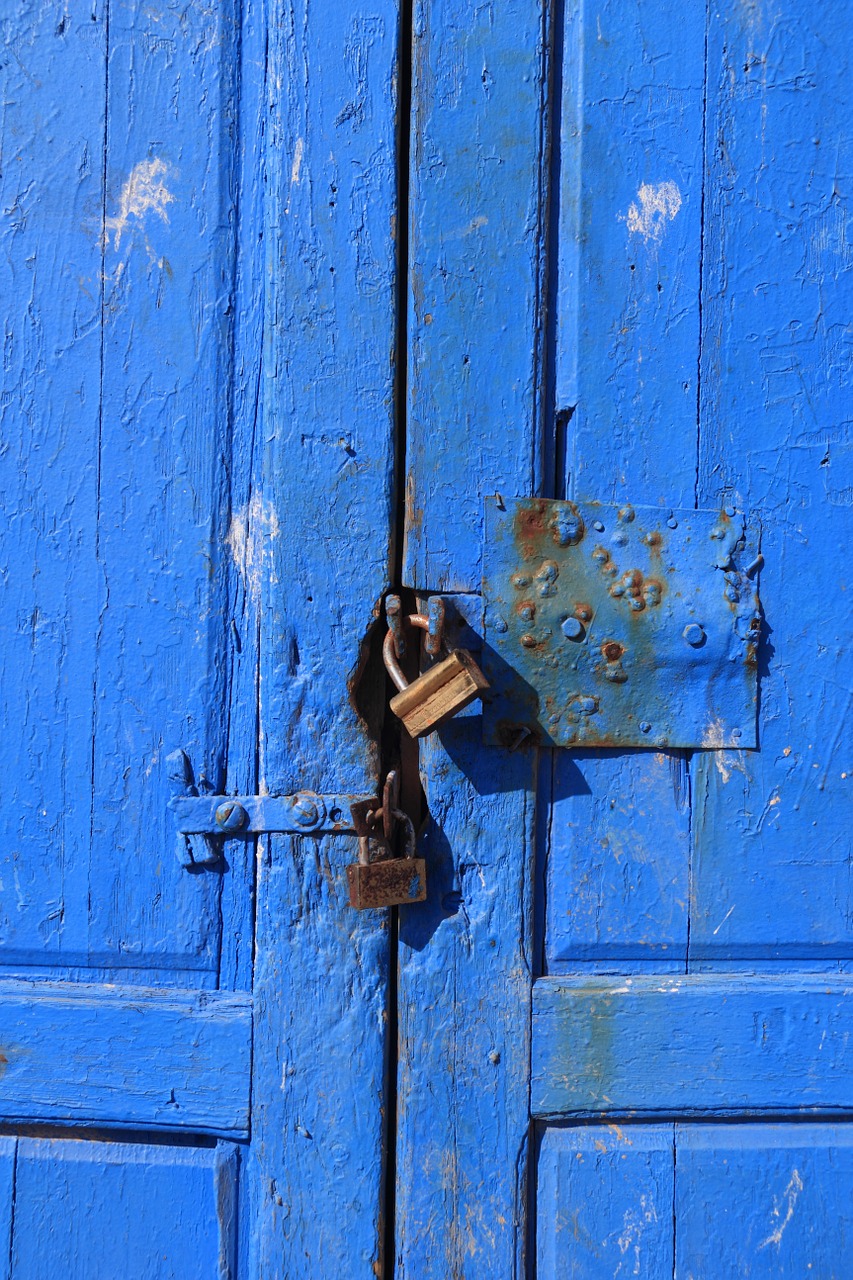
(622, 626)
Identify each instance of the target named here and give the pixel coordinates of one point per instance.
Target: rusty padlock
(379, 879)
(444, 689)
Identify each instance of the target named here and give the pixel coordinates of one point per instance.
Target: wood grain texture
(119, 280)
(131, 1057)
(464, 987)
(769, 1201)
(626, 332)
(477, 231)
(628, 260)
(604, 1195)
(695, 1201)
(85, 1209)
(704, 1043)
(316, 1167)
(8, 1150)
(615, 841)
(772, 828)
(52, 177)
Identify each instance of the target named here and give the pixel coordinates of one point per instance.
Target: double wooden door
(292, 292)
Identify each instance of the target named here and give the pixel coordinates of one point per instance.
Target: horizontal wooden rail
(127, 1057)
(701, 1044)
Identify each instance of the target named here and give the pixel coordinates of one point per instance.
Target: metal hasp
(625, 626)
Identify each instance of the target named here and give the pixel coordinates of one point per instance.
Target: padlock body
(390, 883)
(439, 693)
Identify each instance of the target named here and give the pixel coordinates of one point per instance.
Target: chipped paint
(657, 204)
(144, 192)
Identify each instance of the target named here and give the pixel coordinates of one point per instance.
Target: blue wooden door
(625, 1009)
(195, 535)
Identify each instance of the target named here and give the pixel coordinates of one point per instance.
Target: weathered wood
(628, 257)
(767, 1201)
(477, 234)
(772, 828)
(321, 975)
(464, 1015)
(604, 1196)
(702, 1043)
(85, 1209)
(758, 1200)
(131, 1057)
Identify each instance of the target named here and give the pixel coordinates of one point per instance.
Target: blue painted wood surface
(131, 1057)
(693, 300)
(698, 1043)
(85, 1209)
(477, 230)
(316, 1167)
(218, 175)
(695, 1201)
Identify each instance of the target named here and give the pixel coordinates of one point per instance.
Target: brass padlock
(377, 880)
(438, 693)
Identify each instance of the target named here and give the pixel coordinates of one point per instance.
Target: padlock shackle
(389, 655)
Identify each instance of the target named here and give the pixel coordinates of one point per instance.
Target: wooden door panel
(772, 828)
(128, 1057)
(617, 889)
(84, 1209)
(697, 1202)
(700, 1043)
(115, 475)
(691, 324)
(604, 1198)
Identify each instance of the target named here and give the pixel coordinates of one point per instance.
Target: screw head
(645, 727)
(693, 634)
(572, 629)
(305, 810)
(231, 816)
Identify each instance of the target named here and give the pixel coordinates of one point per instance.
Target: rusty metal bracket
(612, 626)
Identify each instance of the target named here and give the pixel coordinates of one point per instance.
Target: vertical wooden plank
(477, 236)
(630, 231)
(50, 269)
(773, 1200)
(247, 528)
(772, 827)
(464, 1005)
(477, 230)
(627, 353)
(163, 636)
(604, 1197)
(321, 973)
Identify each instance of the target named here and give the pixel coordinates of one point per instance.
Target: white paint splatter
(791, 1195)
(658, 205)
(144, 192)
(246, 539)
(634, 1223)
